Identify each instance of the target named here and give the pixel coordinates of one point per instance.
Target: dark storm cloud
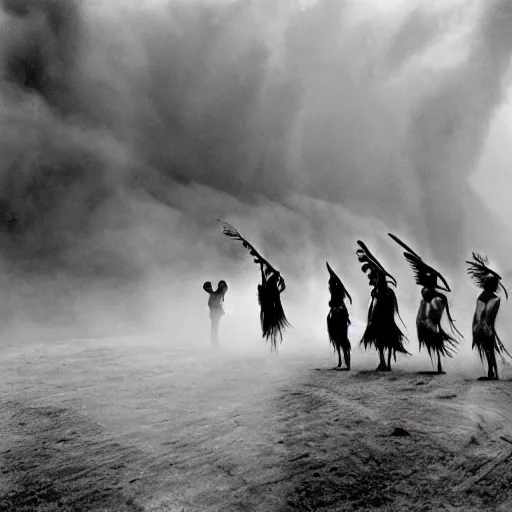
(128, 129)
(448, 130)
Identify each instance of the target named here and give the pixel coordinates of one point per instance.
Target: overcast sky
(128, 128)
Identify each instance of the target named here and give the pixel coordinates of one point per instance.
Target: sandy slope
(133, 424)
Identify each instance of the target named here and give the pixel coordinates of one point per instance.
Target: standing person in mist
(381, 330)
(216, 305)
(338, 318)
(432, 306)
(485, 337)
(272, 317)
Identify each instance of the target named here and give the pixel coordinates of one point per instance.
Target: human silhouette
(272, 317)
(381, 329)
(216, 305)
(432, 306)
(338, 318)
(485, 337)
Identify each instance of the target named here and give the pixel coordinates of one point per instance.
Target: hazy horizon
(129, 130)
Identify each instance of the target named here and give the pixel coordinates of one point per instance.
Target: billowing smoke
(129, 127)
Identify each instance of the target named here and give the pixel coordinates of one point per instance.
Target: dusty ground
(134, 425)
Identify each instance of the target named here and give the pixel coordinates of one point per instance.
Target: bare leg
(382, 359)
(215, 332)
(492, 365)
(346, 355)
(439, 365)
(339, 356)
(389, 360)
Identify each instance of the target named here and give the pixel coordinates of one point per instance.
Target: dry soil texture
(136, 425)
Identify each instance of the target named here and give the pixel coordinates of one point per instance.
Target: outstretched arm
(263, 275)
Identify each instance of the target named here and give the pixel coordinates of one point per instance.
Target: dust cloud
(129, 129)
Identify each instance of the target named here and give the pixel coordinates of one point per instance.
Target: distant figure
(338, 318)
(272, 317)
(432, 306)
(381, 330)
(216, 305)
(485, 337)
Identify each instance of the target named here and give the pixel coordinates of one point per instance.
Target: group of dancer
(382, 331)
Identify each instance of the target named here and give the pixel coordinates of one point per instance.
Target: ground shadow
(335, 369)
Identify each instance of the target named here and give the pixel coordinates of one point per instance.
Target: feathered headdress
(370, 263)
(480, 272)
(230, 231)
(335, 281)
(422, 271)
(272, 317)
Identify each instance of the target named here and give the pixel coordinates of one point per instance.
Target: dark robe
(381, 330)
(485, 339)
(428, 323)
(272, 316)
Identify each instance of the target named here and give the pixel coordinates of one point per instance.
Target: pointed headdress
(335, 282)
(371, 264)
(480, 272)
(422, 271)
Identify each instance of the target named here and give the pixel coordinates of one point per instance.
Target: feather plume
(371, 264)
(272, 317)
(422, 271)
(231, 232)
(480, 272)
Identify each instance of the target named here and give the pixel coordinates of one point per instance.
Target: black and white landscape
(127, 130)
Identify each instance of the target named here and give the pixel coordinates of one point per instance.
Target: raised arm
(372, 306)
(263, 275)
(222, 288)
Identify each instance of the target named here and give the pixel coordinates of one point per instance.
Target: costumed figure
(216, 305)
(338, 318)
(432, 306)
(485, 337)
(381, 330)
(272, 317)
